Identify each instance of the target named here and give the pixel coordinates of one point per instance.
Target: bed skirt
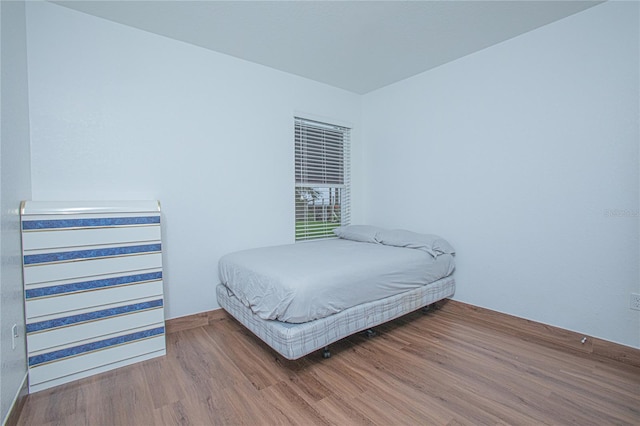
(293, 341)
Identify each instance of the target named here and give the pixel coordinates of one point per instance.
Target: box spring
(293, 341)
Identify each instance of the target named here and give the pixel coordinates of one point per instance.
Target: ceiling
(359, 46)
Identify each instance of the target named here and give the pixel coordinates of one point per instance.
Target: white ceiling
(359, 46)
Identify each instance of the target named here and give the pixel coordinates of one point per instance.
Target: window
(322, 178)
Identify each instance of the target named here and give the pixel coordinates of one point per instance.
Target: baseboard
(192, 321)
(18, 403)
(547, 335)
(528, 330)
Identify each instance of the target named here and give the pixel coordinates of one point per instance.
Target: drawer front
(52, 239)
(91, 362)
(38, 307)
(75, 329)
(91, 267)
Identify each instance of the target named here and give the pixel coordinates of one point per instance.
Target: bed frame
(294, 341)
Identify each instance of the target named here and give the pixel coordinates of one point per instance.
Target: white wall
(119, 113)
(15, 186)
(515, 154)
(519, 154)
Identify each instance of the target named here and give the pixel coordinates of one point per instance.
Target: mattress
(296, 340)
(303, 282)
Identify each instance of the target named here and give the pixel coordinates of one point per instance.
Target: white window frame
(322, 178)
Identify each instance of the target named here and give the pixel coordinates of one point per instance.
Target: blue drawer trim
(94, 346)
(90, 285)
(29, 225)
(90, 316)
(89, 254)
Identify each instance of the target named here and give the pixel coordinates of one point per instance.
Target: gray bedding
(303, 282)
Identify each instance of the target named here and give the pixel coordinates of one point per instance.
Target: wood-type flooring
(442, 368)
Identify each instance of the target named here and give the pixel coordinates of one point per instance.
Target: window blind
(322, 178)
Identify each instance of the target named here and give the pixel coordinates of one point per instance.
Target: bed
(302, 297)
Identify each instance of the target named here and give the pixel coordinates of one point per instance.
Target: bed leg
(371, 333)
(326, 353)
(430, 308)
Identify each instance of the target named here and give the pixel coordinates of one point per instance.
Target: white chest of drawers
(93, 287)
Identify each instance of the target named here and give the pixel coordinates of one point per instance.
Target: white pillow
(363, 233)
(432, 244)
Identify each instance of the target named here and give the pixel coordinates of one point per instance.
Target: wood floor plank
(402, 375)
(242, 404)
(340, 410)
(499, 377)
(445, 368)
(157, 372)
(285, 400)
(258, 363)
(339, 377)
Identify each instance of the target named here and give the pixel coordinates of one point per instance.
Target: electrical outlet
(635, 301)
(14, 336)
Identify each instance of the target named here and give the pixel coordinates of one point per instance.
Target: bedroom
(528, 151)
